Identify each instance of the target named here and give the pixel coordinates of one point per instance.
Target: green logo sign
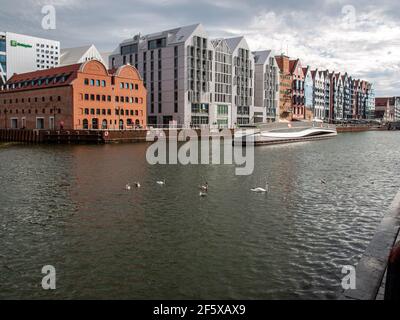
(14, 43)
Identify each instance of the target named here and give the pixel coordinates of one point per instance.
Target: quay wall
(370, 270)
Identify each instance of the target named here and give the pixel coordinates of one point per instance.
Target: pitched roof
(234, 42)
(314, 73)
(73, 55)
(69, 72)
(261, 57)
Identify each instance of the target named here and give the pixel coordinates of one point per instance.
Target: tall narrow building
(266, 85)
(308, 93)
(318, 96)
(243, 81)
(296, 70)
(285, 87)
(222, 115)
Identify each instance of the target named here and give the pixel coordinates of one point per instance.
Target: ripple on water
(67, 206)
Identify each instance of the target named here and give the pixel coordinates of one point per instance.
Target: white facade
(176, 66)
(80, 55)
(266, 85)
(222, 115)
(319, 94)
(25, 53)
(243, 82)
(191, 80)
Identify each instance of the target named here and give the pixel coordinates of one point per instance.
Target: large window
(158, 43)
(199, 108)
(3, 62)
(129, 49)
(2, 45)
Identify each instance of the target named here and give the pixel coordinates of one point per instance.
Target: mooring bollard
(392, 289)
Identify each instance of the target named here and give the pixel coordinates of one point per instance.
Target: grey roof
(234, 42)
(176, 35)
(73, 55)
(261, 57)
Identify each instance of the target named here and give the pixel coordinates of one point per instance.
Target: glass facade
(2, 45)
(3, 62)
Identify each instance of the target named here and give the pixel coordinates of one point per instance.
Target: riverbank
(343, 129)
(114, 136)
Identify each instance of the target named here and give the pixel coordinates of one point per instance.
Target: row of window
(103, 83)
(38, 82)
(94, 124)
(29, 100)
(29, 111)
(117, 112)
(104, 98)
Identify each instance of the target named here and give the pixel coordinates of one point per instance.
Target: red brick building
(79, 96)
(292, 88)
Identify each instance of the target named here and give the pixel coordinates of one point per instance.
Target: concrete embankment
(370, 271)
(85, 136)
(343, 129)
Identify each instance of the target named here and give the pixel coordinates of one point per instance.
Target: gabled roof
(69, 72)
(73, 55)
(234, 42)
(261, 57)
(314, 73)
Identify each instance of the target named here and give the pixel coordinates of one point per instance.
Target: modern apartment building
(177, 71)
(347, 96)
(222, 115)
(266, 85)
(336, 97)
(243, 81)
(318, 94)
(370, 104)
(78, 96)
(21, 53)
(327, 94)
(192, 80)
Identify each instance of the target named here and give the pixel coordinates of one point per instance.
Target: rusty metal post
(392, 289)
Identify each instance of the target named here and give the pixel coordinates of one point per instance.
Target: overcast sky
(360, 37)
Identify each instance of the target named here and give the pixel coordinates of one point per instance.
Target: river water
(67, 206)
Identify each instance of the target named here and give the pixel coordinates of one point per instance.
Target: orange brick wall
(79, 101)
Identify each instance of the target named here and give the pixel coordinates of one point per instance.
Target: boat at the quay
(275, 133)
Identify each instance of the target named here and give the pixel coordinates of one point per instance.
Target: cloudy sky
(360, 37)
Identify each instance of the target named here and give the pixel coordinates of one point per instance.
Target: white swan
(204, 187)
(128, 186)
(261, 190)
(161, 183)
(203, 194)
(137, 185)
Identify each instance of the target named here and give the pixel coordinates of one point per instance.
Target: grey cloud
(303, 24)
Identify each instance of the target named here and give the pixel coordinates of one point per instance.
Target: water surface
(66, 206)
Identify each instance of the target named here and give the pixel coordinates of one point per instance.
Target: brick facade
(79, 96)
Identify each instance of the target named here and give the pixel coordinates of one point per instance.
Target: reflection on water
(67, 206)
